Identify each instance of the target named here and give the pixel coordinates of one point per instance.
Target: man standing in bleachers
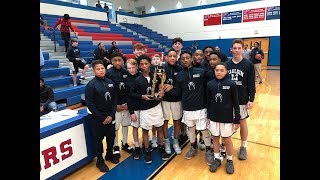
(98, 5)
(106, 7)
(65, 26)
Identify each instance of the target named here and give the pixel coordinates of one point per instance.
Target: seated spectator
(76, 62)
(101, 54)
(114, 48)
(46, 99)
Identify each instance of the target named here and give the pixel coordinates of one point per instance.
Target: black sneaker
(149, 147)
(163, 153)
(137, 153)
(214, 166)
(112, 158)
(147, 158)
(116, 151)
(127, 148)
(102, 166)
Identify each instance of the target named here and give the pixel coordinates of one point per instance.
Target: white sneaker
(167, 147)
(82, 77)
(176, 146)
(201, 145)
(154, 143)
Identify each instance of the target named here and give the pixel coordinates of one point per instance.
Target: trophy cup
(158, 71)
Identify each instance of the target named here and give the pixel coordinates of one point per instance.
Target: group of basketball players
(199, 92)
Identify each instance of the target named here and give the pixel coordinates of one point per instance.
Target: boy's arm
(89, 91)
(209, 98)
(235, 102)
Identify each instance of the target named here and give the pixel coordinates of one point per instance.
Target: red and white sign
(257, 14)
(212, 19)
(61, 150)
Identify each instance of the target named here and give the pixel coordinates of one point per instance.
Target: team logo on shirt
(218, 97)
(196, 75)
(122, 86)
(107, 96)
(235, 73)
(124, 76)
(170, 81)
(225, 87)
(191, 86)
(148, 89)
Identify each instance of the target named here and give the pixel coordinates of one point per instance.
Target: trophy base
(156, 98)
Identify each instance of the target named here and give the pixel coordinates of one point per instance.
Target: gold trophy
(158, 71)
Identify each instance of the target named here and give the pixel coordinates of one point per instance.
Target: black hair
(216, 53)
(171, 50)
(178, 39)
(41, 79)
(186, 51)
(143, 56)
(66, 16)
(116, 54)
(95, 63)
(207, 47)
(257, 43)
(223, 64)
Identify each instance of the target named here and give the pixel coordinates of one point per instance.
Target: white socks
(243, 143)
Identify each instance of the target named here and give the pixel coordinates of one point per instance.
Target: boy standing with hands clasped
(222, 97)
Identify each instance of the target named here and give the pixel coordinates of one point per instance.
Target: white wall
(164, 5)
(128, 19)
(81, 13)
(73, 12)
(125, 4)
(189, 25)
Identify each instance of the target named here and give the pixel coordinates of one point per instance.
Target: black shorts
(65, 36)
(76, 65)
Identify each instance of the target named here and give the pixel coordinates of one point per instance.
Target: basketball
(258, 56)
